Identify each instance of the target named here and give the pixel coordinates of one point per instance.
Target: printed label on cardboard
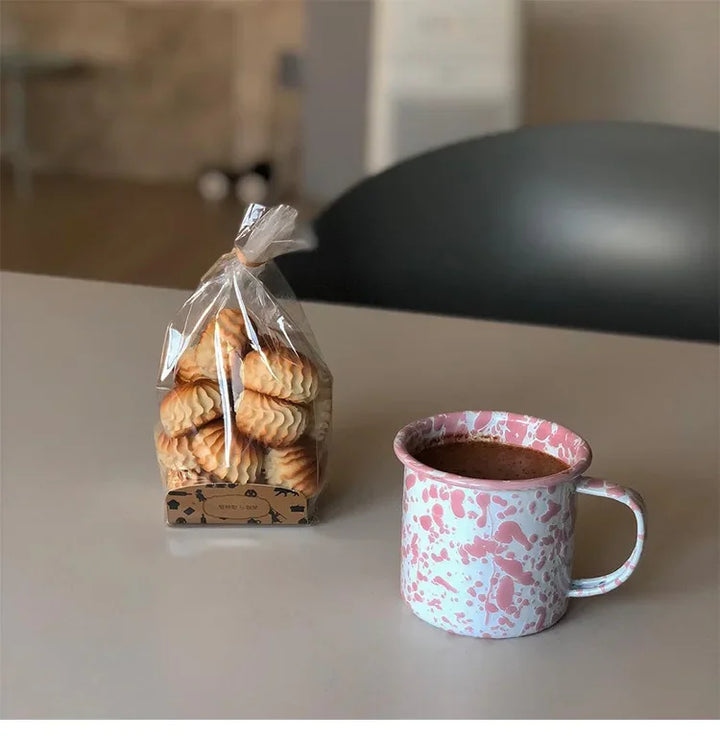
(230, 503)
(235, 506)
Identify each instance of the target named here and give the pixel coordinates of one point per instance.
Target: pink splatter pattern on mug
(490, 558)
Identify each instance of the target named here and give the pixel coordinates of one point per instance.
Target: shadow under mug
(493, 558)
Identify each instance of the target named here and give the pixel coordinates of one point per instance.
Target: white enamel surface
(107, 613)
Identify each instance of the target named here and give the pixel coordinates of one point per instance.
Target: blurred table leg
(19, 154)
(17, 67)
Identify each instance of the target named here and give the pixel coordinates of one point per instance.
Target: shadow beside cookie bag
(245, 396)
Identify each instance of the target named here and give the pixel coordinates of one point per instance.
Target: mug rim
(449, 478)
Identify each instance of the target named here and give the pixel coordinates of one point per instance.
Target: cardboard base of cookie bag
(225, 503)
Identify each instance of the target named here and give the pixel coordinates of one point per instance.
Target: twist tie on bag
(266, 233)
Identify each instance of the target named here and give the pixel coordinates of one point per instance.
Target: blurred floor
(118, 231)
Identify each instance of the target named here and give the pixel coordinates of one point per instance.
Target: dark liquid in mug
(490, 460)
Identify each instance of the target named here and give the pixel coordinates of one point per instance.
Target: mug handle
(586, 586)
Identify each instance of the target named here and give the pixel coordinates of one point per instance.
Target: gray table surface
(107, 613)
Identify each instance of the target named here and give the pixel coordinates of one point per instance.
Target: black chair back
(608, 226)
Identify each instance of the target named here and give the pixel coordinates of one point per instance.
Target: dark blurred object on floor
(149, 234)
(607, 226)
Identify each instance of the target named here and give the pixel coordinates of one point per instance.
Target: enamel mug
(493, 558)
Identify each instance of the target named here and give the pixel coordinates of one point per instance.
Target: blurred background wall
(173, 84)
(633, 60)
(328, 91)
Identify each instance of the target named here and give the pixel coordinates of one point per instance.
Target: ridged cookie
(174, 453)
(271, 421)
(180, 478)
(243, 464)
(321, 415)
(187, 407)
(200, 361)
(187, 369)
(293, 467)
(281, 373)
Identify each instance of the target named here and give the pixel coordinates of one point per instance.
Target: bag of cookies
(245, 396)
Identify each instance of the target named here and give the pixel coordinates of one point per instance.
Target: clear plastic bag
(245, 396)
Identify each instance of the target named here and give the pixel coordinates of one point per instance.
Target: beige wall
(636, 60)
